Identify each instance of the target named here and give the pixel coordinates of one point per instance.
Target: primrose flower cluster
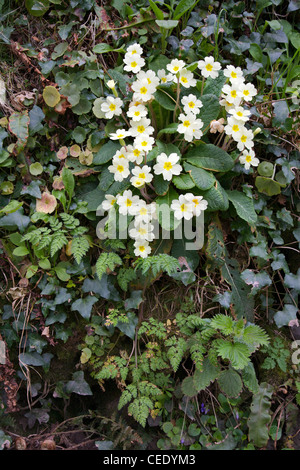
(138, 138)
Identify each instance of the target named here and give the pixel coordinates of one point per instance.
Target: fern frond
(58, 241)
(79, 247)
(70, 222)
(177, 348)
(158, 263)
(139, 409)
(125, 276)
(129, 393)
(107, 261)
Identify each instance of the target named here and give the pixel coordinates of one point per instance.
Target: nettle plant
(172, 136)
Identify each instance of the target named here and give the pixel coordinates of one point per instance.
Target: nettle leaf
(223, 323)
(209, 373)
(243, 206)
(237, 353)
(188, 387)
(210, 157)
(230, 383)
(249, 378)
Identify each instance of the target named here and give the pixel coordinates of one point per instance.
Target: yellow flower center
(142, 231)
(248, 158)
(209, 67)
(128, 202)
(186, 123)
(144, 143)
(167, 165)
(112, 107)
(143, 211)
(246, 92)
(163, 79)
(239, 113)
(191, 104)
(120, 168)
(136, 152)
(244, 138)
(195, 201)
(133, 64)
(142, 248)
(233, 75)
(233, 93)
(142, 175)
(143, 90)
(141, 129)
(184, 79)
(235, 128)
(183, 207)
(176, 68)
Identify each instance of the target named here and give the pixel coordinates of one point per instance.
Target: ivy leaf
(18, 125)
(257, 281)
(284, 316)
(293, 280)
(84, 306)
(135, 299)
(128, 328)
(15, 220)
(78, 384)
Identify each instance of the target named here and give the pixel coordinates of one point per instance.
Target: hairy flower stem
(177, 99)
